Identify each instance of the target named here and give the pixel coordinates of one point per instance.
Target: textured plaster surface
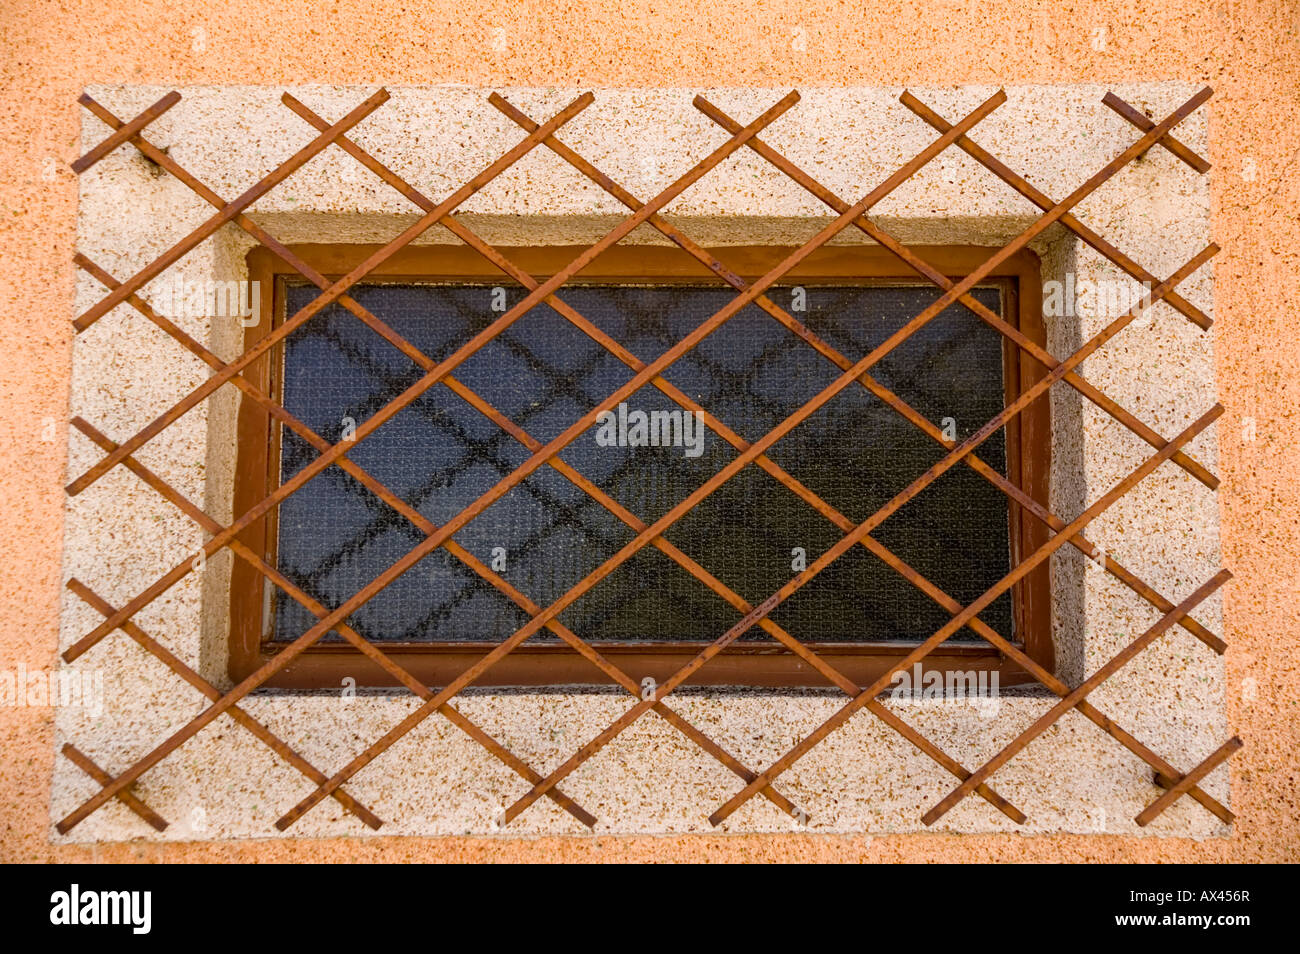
(1248, 52)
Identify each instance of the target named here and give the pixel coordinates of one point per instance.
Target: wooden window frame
(756, 664)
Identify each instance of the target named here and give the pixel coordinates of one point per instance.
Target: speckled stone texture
(437, 781)
(1248, 52)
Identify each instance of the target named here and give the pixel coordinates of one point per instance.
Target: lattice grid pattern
(441, 372)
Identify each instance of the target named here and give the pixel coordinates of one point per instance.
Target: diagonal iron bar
(863, 529)
(124, 132)
(1143, 122)
(419, 387)
(169, 659)
(1054, 714)
(327, 298)
(1026, 189)
(1176, 791)
(87, 765)
(209, 227)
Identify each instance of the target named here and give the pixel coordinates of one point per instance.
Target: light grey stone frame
(120, 536)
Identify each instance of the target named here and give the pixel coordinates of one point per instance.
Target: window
(742, 541)
(144, 532)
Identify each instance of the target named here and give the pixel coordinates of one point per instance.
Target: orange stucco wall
(1248, 51)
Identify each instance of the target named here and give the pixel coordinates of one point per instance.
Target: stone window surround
(864, 778)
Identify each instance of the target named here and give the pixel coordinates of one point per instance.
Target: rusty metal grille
(646, 532)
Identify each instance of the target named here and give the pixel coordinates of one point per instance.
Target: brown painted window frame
(756, 664)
